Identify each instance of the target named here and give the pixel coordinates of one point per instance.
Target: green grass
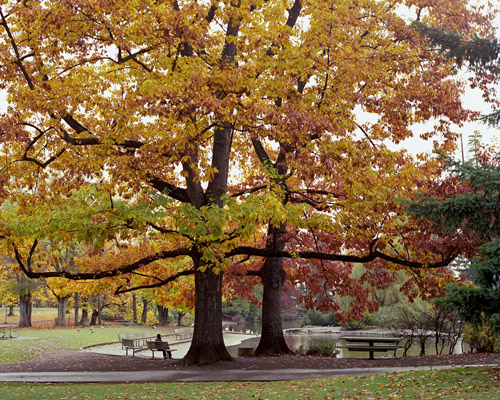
(39, 342)
(463, 383)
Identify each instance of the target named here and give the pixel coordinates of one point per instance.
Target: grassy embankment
(471, 383)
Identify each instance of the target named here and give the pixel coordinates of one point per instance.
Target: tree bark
(272, 340)
(99, 309)
(144, 316)
(93, 317)
(162, 315)
(85, 316)
(25, 310)
(180, 315)
(11, 310)
(77, 297)
(207, 346)
(61, 310)
(134, 307)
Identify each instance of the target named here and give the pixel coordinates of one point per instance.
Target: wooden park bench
(158, 346)
(183, 333)
(132, 344)
(134, 336)
(370, 344)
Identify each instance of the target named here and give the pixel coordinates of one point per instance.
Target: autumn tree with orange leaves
(226, 133)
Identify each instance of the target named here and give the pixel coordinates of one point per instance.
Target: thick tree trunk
(61, 311)
(162, 315)
(85, 317)
(77, 297)
(272, 340)
(11, 310)
(25, 310)
(207, 346)
(93, 317)
(144, 316)
(99, 309)
(134, 307)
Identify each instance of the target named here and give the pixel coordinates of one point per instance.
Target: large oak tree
(220, 122)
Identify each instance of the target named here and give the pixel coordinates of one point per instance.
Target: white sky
(473, 100)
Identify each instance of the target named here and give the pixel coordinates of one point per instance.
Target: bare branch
(78, 276)
(173, 191)
(19, 59)
(162, 282)
(338, 257)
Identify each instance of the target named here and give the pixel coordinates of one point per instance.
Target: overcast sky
(472, 100)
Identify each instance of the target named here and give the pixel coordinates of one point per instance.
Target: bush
(322, 347)
(480, 338)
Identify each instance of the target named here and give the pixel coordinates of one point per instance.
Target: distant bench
(132, 344)
(183, 333)
(134, 341)
(371, 347)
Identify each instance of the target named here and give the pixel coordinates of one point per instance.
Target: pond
(303, 338)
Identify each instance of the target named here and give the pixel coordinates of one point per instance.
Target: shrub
(480, 338)
(322, 347)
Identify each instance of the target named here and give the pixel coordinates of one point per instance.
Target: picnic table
(371, 344)
(6, 332)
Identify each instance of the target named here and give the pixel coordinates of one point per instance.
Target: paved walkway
(205, 375)
(181, 346)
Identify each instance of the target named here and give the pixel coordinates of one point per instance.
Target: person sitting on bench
(158, 339)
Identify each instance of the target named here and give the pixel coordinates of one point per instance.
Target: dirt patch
(77, 361)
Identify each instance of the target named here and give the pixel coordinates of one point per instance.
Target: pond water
(296, 340)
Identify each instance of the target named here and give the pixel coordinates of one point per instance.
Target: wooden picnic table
(6, 332)
(372, 345)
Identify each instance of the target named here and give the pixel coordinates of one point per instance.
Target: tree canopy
(194, 135)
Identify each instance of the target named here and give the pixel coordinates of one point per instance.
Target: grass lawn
(462, 383)
(36, 314)
(40, 342)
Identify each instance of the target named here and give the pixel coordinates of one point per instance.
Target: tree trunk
(162, 315)
(99, 309)
(272, 340)
(77, 297)
(85, 316)
(207, 346)
(25, 310)
(11, 310)
(93, 317)
(61, 311)
(144, 316)
(180, 315)
(134, 307)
